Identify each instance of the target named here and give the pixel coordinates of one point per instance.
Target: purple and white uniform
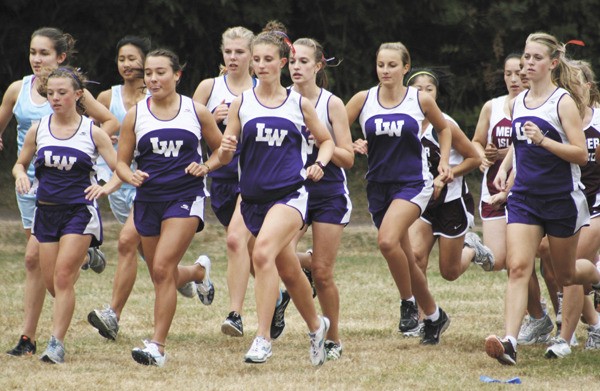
(224, 186)
(165, 149)
(499, 133)
(451, 214)
(328, 200)
(272, 158)
(547, 189)
(397, 160)
(590, 173)
(64, 168)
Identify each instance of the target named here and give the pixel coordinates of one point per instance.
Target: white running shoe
(483, 255)
(54, 353)
(317, 342)
(535, 330)
(259, 352)
(559, 348)
(205, 288)
(150, 355)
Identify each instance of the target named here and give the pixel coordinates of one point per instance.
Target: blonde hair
(589, 77)
(237, 32)
(566, 74)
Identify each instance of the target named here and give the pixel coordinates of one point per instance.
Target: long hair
(565, 75)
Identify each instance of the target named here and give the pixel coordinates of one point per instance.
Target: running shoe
(593, 341)
(205, 288)
(233, 325)
(535, 330)
(105, 321)
(25, 347)
(558, 348)
(278, 321)
(333, 350)
(54, 353)
(433, 330)
(416, 332)
(483, 255)
(150, 355)
(259, 352)
(317, 342)
(188, 289)
(409, 316)
(501, 349)
(95, 260)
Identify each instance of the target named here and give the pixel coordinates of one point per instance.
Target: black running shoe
(433, 330)
(278, 321)
(24, 347)
(409, 316)
(501, 350)
(233, 325)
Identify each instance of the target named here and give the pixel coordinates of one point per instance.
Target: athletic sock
(435, 316)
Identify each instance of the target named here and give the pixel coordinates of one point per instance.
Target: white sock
(411, 299)
(435, 316)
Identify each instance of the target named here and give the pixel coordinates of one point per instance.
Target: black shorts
(451, 219)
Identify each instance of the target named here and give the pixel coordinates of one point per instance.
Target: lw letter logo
(166, 148)
(61, 162)
(270, 136)
(391, 128)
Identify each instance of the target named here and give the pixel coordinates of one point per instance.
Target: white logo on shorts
(185, 206)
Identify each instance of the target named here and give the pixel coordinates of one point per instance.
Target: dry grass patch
(375, 355)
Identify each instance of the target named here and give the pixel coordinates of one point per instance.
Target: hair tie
(575, 42)
(287, 41)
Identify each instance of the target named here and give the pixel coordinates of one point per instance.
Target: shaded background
(469, 38)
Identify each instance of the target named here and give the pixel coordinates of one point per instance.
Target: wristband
(207, 166)
(320, 164)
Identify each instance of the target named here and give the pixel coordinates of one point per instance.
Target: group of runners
(276, 157)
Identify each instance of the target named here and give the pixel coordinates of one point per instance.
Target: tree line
(467, 38)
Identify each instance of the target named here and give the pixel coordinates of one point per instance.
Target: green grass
(375, 356)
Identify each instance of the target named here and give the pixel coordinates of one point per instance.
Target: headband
(420, 73)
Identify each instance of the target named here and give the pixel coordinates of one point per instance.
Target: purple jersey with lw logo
(220, 92)
(273, 148)
(64, 168)
(166, 148)
(539, 171)
(396, 154)
(334, 178)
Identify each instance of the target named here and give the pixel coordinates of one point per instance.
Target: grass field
(375, 357)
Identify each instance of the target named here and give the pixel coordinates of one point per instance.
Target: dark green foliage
(470, 38)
